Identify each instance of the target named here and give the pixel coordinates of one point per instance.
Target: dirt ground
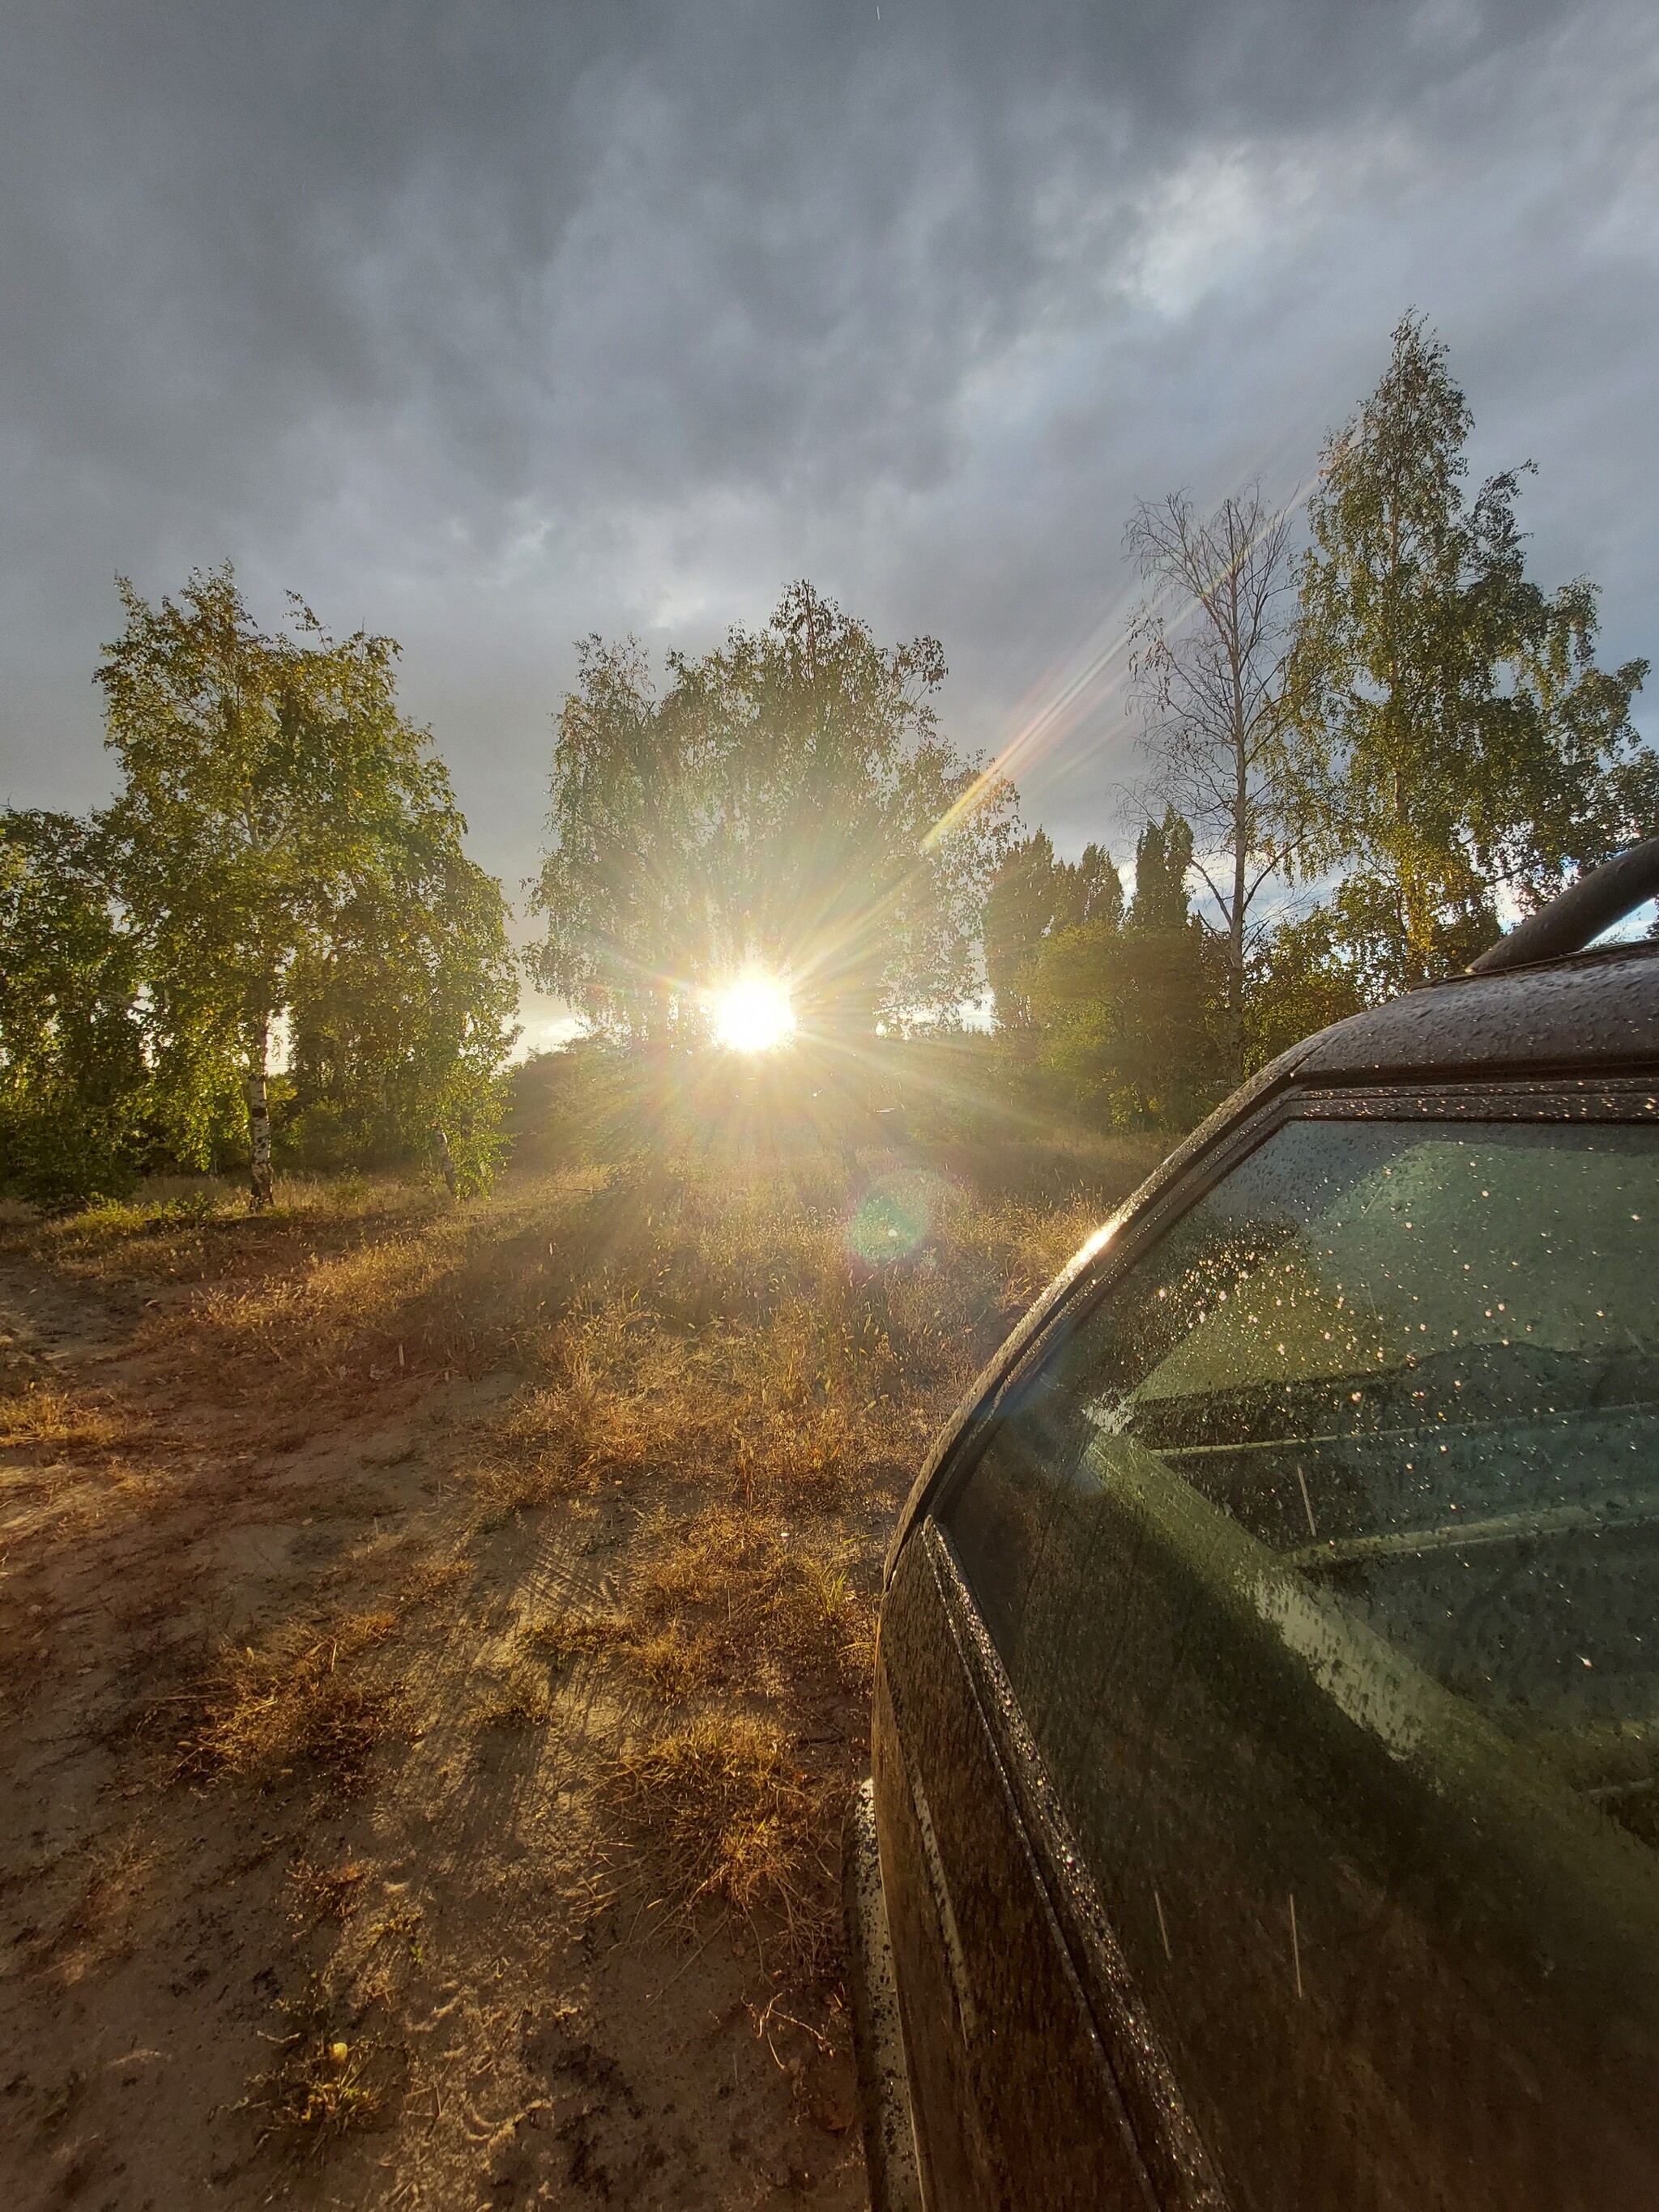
(435, 1644)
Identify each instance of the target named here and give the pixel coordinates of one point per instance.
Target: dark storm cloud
(492, 324)
(631, 240)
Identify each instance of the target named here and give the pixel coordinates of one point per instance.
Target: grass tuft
(40, 1413)
(301, 1701)
(433, 1579)
(763, 1604)
(733, 1823)
(325, 2089)
(325, 1893)
(561, 1637)
(517, 1704)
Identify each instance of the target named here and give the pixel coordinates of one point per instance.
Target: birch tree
(1209, 675)
(1448, 730)
(789, 800)
(272, 795)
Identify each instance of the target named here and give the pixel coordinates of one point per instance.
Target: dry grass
(352, 1308)
(302, 1701)
(750, 1335)
(731, 1603)
(734, 1824)
(327, 2085)
(40, 1413)
(730, 1598)
(325, 1893)
(735, 1339)
(620, 1397)
(118, 1872)
(764, 1607)
(435, 1577)
(774, 1330)
(519, 1702)
(718, 1367)
(359, 1280)
(559, 1637)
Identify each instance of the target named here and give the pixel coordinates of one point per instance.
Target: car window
(1321, 1557)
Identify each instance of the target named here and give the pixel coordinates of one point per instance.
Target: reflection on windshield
(1425, 1364)
(1321, 1557)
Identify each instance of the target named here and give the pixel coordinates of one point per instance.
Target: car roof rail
(1575, 919)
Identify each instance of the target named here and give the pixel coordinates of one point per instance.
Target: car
(1264, 1798)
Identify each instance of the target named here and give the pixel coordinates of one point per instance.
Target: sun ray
(1078, 686)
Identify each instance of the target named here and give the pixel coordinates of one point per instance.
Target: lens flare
(753, 1014)
(895, 1217)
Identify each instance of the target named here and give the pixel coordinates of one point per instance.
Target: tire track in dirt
(518, 2031)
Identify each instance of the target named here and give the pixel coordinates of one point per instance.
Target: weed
(733, 1822)
(517, 1704)
(325, 1893)
(299, 1702)
(401, 1926)
(324, 2089)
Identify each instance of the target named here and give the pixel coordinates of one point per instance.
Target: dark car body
(1262, 1808)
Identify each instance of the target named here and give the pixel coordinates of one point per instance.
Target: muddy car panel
(1267, 1731)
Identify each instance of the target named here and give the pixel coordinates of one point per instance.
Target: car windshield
(1321, 1555)
(1422, 1366)
(1425, 1367)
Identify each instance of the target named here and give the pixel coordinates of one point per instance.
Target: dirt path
(434, 1657)
(351, 1925)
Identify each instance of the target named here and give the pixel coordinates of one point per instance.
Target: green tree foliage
(287, 848)
(1030, 895)
(1449, 728)
(1164, 862)
(1343, 955)
(789, 802)
(401, 1018)
(72, 1073)
(1125, 1008)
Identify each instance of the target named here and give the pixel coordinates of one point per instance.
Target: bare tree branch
(1208, 669)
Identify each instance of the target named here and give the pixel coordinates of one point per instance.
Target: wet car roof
(1598, 1009)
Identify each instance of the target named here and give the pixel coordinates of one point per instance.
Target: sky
(491, 326)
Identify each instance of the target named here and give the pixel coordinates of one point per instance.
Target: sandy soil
(410, 1958)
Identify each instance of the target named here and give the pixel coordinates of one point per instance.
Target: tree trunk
(1236, 1013)
(258, 1123)
(1240, 860)
(446, 1163)
(1417, 902)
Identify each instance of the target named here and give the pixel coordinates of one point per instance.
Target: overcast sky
(488, 325)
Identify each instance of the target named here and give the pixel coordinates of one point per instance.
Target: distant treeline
(1356, 757)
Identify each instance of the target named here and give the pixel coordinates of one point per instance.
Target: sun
(753, 1014)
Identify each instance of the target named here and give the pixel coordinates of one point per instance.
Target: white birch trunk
(259, 1124)
(445, 1161)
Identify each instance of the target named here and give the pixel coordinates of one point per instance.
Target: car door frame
(1177, 2166)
